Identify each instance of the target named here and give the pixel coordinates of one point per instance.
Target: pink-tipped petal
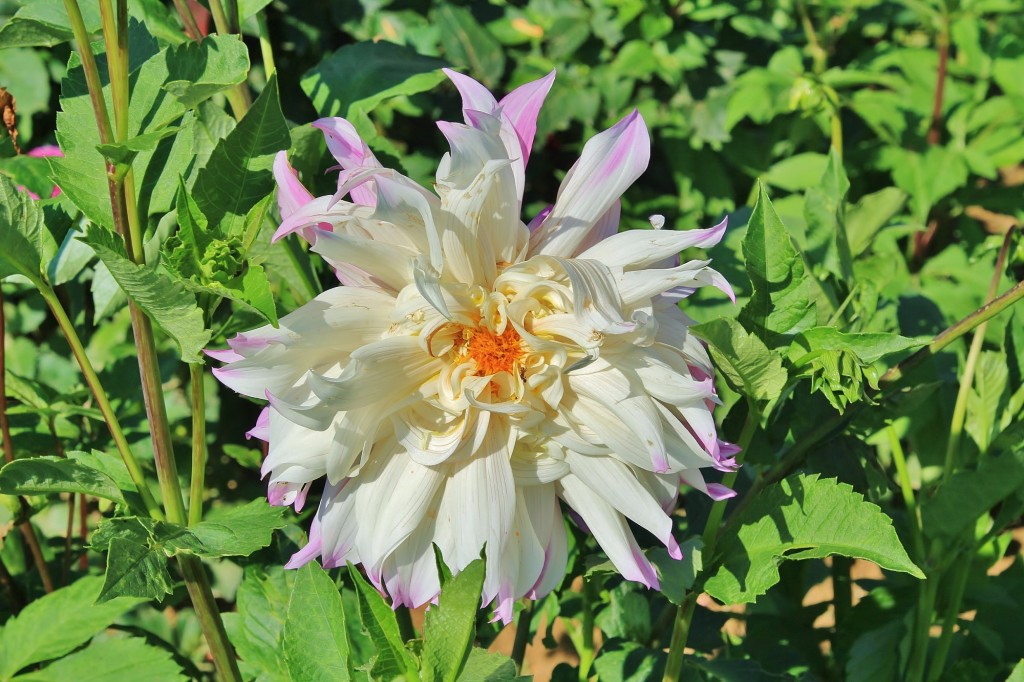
(291, 193)
(522, 106)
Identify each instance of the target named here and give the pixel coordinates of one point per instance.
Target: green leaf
(262, 604)
(803, 517)
(165, 301)
(214, 65)
(629, 662)
(315, 640)
(797, 172)
(360, 76)
(44, 23)
(27, 244)
(780, 304)
(238, 174)
(44, 475)
(450, 627)
(135, 570)
(393, 659)
(470, 45)
(677, 576)
(125, 152)
(869, 215)
(36, 635)
(483, 666)
(825, 213)
(240, 530)
(125, 659)
(959, 502)
(868, 347)
(743, 359)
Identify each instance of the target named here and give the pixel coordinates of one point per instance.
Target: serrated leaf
(360, 76)
(44, 23)
(125, 152)
(780, 304)
(35, 635)
(165, 301)
(960, 501)
(135, 570)
(27, 244)
(262, 603)
(803, 517)
(868, 347)
(825, 213)
(677, 576)
(379, 621)
(44, 475)
(239, 531)
(450, 627)
(743, 359)
(469, 44)
(125, 659)
(238, 174)
(483, 666)
(315, 640)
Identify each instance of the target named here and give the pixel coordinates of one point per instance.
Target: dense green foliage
(870, 158)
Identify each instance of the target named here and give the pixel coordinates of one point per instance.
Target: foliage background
(895, 232)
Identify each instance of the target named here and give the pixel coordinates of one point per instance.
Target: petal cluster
(472, 373)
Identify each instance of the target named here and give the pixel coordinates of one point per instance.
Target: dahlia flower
(471, 371)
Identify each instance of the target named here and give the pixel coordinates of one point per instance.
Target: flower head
(472, 370)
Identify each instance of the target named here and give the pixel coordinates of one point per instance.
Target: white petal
(635, 249)
(390, 266)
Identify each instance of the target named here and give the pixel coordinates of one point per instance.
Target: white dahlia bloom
(472, 371)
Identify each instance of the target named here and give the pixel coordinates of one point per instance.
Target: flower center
(493, 352)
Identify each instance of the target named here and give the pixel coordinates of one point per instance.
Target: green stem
(684, 614)
(92, 74)
(92, 380)
(522, 635)
(922, 625)
(266, 47)
(209, 617)
(818, 55)
(907, 490)
(959, 580)
(188, 20)
(195, 506)
(585, 648)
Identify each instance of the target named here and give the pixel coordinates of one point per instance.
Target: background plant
(869, 157)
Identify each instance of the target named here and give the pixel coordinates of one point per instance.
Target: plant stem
(922, 624)
(195, 506)
(818, 54)
(586, 644)
(266, 47)
(14, 595)
(522, 635)
(907, 490)
(934, 136)
(102, 402)
(28, 532)
(959, 580)
(220, 18)
(188, 20)
(227, 24)
(684, 614)
(209, 617)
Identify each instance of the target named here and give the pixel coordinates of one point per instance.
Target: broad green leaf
(36, 634)
(23, 73)
(135, 570)
(627, 615)
(867, 346)
(360, 76)
(240, 530)
(1017, 674)
(870, 214)
(960, 501)
(125, 152)
(780, 304)
(743, 359)
(677, 576)
(218, 62)
(629, 662)
(315, 640)
(44, 23)
(470, 45)
(483, 666)
(262, 605)
(450, 627)
(44, 475)
(927, 177)
(825, 213)
(165, 301)
(393, 659)
(797, 172)
(27, 244)
(987, 399)
(803, 517)
(238, 174)
(126, 659)
(875, 654)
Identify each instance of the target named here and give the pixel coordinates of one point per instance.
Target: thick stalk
(522, 635)
(209, 617)
(28, 532)
(959, 580)
(922, 624)
(266, 47)
(188, 20)
(684, 614)
(198, 483)
(586, 645)
(92, 380)
(907, 491)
